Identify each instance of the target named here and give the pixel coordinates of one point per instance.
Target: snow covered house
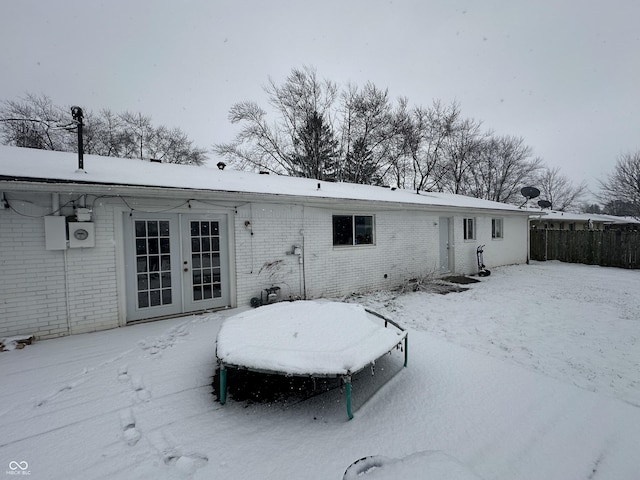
(127, 240)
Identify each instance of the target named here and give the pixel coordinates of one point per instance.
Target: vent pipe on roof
(77, 115)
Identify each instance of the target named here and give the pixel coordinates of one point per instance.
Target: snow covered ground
(532, 373)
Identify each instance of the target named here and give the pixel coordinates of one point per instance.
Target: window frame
(354, 234)
(466, 221)
(494, 221)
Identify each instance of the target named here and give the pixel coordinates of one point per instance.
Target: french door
(175, 263)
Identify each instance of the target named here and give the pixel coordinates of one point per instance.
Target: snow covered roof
(553, 215)
(31, 165)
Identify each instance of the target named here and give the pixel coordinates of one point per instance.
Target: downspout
(528, 238)
(304, 251)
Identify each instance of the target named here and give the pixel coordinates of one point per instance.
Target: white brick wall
(37, 297)
(406, 246)
(33, 284)
(511, 249)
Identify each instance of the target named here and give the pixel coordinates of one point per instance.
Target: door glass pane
(164, 229)
(153, 245)
(143, 299)
(164, 245)
(153, 270)
(205, 253)
(154, 298)
(141, 229)
(152, 229)
(141, 264)
(141, 246)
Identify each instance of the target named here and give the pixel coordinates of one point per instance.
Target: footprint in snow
(185, 461)
(129, 431)
(141, 393)
(123, 374)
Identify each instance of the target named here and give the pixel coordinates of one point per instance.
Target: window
(468, 227)
(496, 228)
(352, 230)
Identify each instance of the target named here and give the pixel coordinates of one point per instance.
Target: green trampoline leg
(406, 350)
(223, 385)
(348, 390)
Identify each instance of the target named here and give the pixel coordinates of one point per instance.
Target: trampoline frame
(346, 377)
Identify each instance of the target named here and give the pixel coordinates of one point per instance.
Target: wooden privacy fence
(608, 248)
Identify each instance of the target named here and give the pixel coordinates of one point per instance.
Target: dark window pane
(143, 299)
(197, 293)
(153, 246)
(342, 230)
(166, 296)
(164, 229)
(215, 244)
(206, 291)
(141, 246)
(196, 277)
(215, 259)
(214, 228)
(165, 262)
(195, 229)
(204, 229)
(364, 230)
(216, 276)
(154, 280)
(166, 279)
(141, 264)
(143, 282)
(217, 291)
(154, 263)
(195, 261)
(195, 245)
(154, 298)
(206, 276)
(141, 229)
(152, 228)
(206, 244)
(206, 259)
(165, 247)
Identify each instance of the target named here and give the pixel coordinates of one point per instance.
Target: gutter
(124, 190)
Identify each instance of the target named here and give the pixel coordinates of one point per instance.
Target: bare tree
(426, 134)
(36, 122)
(462, 153)
(368, 133)
(622, 187)
(505, 166)
(277, 146)
(559, 190)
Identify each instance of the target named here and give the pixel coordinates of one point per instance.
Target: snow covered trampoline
(307, 339)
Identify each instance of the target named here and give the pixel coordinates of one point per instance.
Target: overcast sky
(564, 75)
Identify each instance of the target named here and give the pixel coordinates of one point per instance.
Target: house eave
(9, 183)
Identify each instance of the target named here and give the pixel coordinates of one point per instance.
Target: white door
(205, 264)
(175, 264)
(445, 245)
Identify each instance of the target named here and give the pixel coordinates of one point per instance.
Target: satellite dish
(544, 203)
(530, 192)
